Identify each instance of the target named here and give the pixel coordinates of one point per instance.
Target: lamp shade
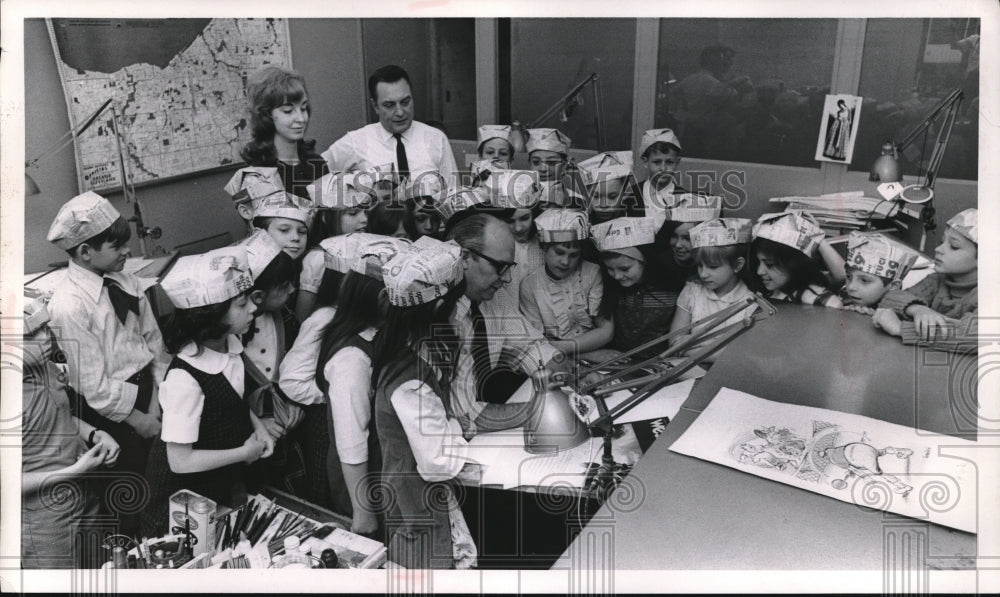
(886, 167)
(553, 426)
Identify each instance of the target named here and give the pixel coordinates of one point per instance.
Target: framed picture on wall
(838, 128)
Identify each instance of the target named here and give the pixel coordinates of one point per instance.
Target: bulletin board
(178, 85)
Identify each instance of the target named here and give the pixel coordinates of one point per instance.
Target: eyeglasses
(501, 267)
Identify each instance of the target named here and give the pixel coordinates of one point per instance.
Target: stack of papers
(838, 211)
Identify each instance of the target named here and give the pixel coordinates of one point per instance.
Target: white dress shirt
(297, 372)
(101, 352)
(349, 371)
(426, 149)
(181, 397)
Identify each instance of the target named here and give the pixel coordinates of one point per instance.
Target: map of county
(179, 86)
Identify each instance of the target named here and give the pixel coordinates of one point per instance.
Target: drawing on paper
(831, 456)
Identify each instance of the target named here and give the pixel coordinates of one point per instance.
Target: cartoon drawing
(831, 456)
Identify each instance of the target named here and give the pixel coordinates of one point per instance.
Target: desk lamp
(886, 167)
(564, 106)
(70, 136)
(608, 474)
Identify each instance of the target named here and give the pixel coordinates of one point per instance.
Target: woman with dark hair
(279, 117)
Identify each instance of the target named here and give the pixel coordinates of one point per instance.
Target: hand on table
(860, 309)
(930, 324)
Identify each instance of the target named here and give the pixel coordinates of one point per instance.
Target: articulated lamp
(564, 106)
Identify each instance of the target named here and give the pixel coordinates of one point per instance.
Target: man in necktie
(410, 145)
(499, 349)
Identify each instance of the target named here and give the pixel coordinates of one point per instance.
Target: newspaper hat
(875, 254)
(374, 255)
(721, 232)
(427, 184)
(658, 136)
(249, 185)
(966, 223)
(792, 229)
(36, 313)
(688, 207)
(338, 191)
(366, 180)
(462, 200)
(562, 225)
(492, 131)
(424, 273)
(555, 194)
(286, 205)
(82, 217)
(341, 252)
(623, 235)
(484, 168)
(547, 139)
(261, 251)
(209, 278)
(513, 189)
(610, 165)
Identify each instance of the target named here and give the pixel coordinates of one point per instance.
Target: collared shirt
(350, 400)
(426, 149)
(509, 337)
(701, 302)
(297, 372)
(265, 347)
(313, 268)
(181, 397)
(101, 352)
(563, 308)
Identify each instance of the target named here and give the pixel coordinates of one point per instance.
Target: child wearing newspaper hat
(636, 296)
(673, 237)
(209, 432)
(548, 154)
(941, 310)
(612, 187)
(875, 265)
(423, 445)
(562, 298)
(784, 256)
(720, 252)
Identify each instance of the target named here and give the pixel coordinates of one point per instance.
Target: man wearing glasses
(499, 348)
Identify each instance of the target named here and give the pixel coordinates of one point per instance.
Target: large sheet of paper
(874, 464)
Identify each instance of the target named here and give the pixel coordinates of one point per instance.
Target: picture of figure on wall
(838, 128)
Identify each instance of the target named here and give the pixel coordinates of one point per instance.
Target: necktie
(401, 162)
(122, 301)
(494, 386)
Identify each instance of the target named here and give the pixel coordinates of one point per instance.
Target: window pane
(909, 66)
(551, 56)
(745, 89)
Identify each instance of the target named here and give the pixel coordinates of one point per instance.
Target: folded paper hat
(366, 180)
(341, 252)
(427, 184)
(250, 185)
(966, 223)
(487, 167)
(424, 273)
(721, 232)
(209, 278)
(82, 217)
(513, 189)
(658, 136)
(286, 205)
(610, 165)
(338, 191)
(562, 225)
(547, 139)
(462, 200)
(875, 254)
(688, 207)
(623, 235)
(261, 251)
(792, 229)
(36, 313)
(492, 131)
(555, 194)
(374, 255)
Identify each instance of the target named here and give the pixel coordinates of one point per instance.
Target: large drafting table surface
(682, 513)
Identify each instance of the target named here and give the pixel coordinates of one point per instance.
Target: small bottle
(292, 545)
(329, 558)
(119, 559)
